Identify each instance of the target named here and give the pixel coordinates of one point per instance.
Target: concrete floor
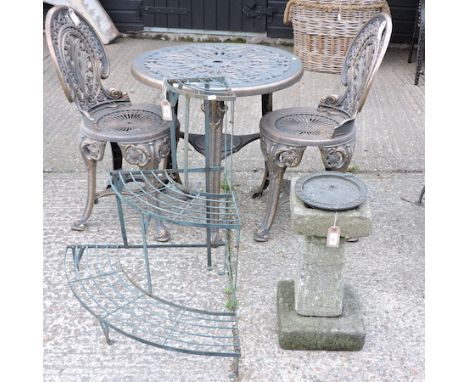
(386, 269)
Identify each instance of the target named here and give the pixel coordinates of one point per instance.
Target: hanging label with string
(333, 235)
(165, 106)
(166, 110)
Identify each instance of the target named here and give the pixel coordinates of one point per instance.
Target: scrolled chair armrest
(114, 98)
(333, 104)
(117, 95)
(329, 101)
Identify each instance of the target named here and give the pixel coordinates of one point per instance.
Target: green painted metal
(133, 308)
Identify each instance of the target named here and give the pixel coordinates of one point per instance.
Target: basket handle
(287, 10)
(383, 5)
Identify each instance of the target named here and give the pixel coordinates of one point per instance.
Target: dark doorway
(214, 15)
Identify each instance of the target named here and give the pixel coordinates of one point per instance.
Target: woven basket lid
(345, 2)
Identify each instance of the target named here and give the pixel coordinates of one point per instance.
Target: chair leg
(257, 192)
(91, 151)
(337, 158)
(168, 165)
(278, 158)
(148, 156)
(266, 177)
(421, 195)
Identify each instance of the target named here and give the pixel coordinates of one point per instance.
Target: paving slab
(386, 269)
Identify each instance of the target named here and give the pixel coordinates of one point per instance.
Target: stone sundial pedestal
(318, 311)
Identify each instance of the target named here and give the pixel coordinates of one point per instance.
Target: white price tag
(333, 237)
(166, 110)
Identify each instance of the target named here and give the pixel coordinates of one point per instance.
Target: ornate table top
(249, 69)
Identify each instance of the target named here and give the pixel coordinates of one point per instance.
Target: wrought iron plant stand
(95, 273)
(103, 285)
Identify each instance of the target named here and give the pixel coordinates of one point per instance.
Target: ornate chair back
(362, 61)
(80, 60)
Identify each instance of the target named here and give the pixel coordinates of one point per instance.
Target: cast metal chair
(137, 133)
(285, 133)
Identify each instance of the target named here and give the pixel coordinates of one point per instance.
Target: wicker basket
(324, 29)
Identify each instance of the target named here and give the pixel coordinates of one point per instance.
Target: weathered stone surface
(319, 282)
(297, 332)
(314, 222)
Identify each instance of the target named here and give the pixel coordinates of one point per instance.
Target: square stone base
(297, 332)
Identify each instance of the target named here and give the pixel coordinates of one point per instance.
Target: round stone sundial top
(331, 190)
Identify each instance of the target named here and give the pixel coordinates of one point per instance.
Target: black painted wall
(218, 15)
(227, 15)
(403, 17)
(125, 14)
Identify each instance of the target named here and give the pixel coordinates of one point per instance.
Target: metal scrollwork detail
(138, 154)
(285, 156)
(337, 158)
(117, 94)
(250, 63)
(361, 63)
(81, 61)
(92, 149)
(144, 154)
(331, 100)
(291, 157)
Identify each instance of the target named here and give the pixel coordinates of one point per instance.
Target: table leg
(171, 162)
(214, 123)
(116, 156)
(267, 103)
(214, 115)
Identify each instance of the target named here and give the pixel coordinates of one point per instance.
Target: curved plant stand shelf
(98, 281)
(155, 194)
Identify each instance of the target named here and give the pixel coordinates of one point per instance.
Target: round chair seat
(302, 126)
(127, 124)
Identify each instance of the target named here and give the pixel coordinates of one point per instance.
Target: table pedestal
(212, 145)
(214, 115)
(317, 311)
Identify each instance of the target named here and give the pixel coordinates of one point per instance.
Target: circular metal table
(248, 69)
